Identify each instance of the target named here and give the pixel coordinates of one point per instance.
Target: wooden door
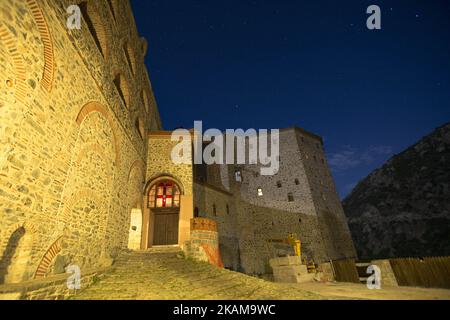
(166, 228)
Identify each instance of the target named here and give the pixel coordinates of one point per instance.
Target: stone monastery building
(85, 167)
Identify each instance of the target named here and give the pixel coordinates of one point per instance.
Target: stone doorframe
(185, 215)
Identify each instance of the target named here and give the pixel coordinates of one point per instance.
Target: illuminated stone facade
(72, 137)
(81, 146)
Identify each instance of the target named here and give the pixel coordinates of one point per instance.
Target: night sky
(313, 64)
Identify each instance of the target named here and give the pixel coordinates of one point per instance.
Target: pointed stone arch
(137, 164)
(98, 107)
(157, 178)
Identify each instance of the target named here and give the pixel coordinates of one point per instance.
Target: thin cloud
(351, 157)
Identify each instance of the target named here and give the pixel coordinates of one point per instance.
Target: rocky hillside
(403, 208)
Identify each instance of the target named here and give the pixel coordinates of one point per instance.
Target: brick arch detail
(98, 107)
(49, 61)
(48, 257)
(10, 43)
(28, 226)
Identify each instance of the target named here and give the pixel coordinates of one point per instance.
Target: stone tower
(251, 209)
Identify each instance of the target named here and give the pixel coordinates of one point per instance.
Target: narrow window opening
(290, 197)
(94, 24)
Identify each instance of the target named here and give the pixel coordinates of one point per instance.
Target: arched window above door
(164, 194)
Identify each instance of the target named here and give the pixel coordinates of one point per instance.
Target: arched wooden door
(164, 202)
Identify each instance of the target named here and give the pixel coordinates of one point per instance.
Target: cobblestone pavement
(166, 275)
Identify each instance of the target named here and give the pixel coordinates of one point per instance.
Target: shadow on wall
(13, 263)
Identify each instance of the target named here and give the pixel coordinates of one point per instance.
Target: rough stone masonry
(85, 164)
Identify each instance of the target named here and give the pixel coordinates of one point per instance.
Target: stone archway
(163, 200)
(185, 211)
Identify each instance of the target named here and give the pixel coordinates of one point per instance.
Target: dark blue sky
(313, 64)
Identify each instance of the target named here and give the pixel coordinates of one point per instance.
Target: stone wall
(219, 206)
(72, 139)
(333, 223)
(300, 198)
(161, 167)
(52, 288)
(291, 178)
(160, 161)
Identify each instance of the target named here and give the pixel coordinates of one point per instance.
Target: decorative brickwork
(77, 160)
(47, 77)
(72, 164)
(46, 261)
(97, 107)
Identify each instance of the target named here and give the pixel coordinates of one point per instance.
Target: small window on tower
(297, 182)
(260, 192)
(279, 184)
(214, 210)
(290, 197)
(228, 209)
(238, 176)
(196, 212)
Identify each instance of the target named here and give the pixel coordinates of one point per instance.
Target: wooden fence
(345, 270)
(431, 272)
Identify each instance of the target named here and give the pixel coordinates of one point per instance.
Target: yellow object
(293, 241)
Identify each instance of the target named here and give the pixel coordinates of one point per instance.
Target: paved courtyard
(167, 275)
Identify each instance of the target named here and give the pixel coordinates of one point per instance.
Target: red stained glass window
(164, 194)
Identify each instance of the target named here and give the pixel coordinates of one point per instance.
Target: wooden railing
(345, 270)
